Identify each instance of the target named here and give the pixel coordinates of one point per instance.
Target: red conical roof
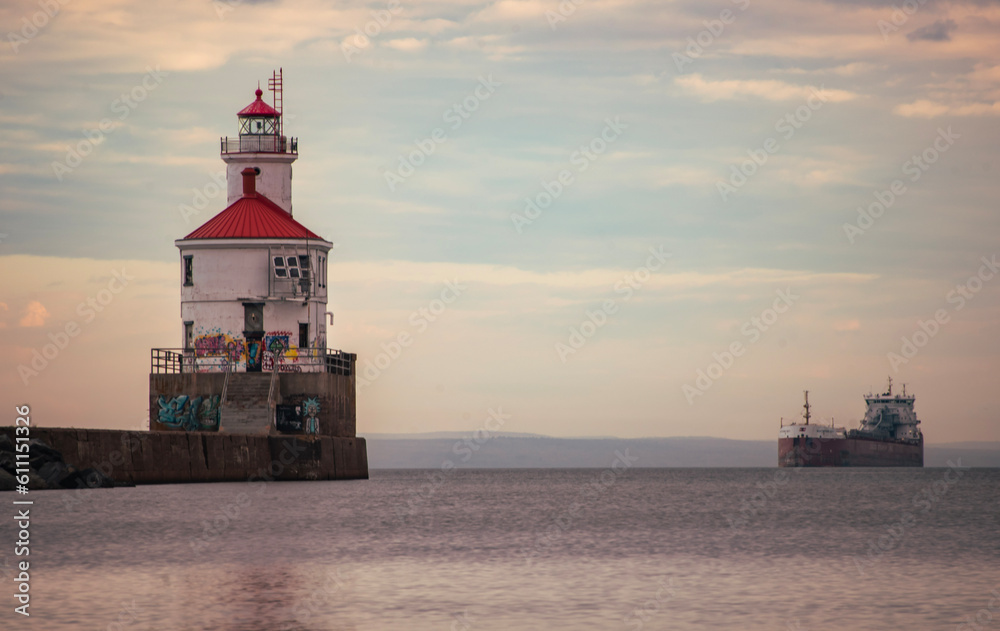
(253, 217)
(258, 108)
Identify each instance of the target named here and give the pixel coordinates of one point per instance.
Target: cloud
(410, 272)
(842, 326)
(35, 314)
(855, 68)
(768, 89)
(408, 44)
(939, 31)
(511, 11)
(930, 109)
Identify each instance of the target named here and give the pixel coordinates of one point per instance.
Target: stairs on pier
(245, 410)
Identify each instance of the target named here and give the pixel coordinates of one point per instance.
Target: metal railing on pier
(168, 361)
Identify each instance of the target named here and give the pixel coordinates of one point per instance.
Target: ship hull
(849, 452)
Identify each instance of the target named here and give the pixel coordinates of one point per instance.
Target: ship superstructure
(889, 417)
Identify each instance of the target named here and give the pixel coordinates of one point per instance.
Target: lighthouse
(253, 355)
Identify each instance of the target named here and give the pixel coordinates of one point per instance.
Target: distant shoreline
(520, 451)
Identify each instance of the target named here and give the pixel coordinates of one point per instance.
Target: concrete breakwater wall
(174, 457)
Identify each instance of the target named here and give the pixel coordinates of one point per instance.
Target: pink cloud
(34, 315)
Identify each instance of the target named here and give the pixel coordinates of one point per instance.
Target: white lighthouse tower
(261, 145)
(254, 304)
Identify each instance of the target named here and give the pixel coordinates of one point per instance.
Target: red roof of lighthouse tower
(252, 216)
(258, 108)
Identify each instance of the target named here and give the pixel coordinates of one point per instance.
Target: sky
(602, 217)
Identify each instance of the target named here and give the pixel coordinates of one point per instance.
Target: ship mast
(806, 406)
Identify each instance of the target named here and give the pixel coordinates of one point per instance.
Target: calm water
(529, 549)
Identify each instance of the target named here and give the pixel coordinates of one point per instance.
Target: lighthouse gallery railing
(264, 143)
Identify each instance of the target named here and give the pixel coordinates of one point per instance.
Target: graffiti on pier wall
(192, 414)
(310, 410)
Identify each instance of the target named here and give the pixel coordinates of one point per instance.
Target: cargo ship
(889, 436)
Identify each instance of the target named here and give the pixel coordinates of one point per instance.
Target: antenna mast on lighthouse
(806, 406)
(274, 85)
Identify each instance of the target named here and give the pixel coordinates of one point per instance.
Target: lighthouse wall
(225, 277)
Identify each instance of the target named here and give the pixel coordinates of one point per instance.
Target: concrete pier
(142, 457)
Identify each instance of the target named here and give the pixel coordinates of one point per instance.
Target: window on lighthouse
(188, 271)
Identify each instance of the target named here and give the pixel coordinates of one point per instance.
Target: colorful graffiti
(190, 414)
(277, 341)
(255, 353)
(213, 346)
(219, 344)
(284, 366)
(310, 409)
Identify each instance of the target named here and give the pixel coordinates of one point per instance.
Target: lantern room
(259, 118)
